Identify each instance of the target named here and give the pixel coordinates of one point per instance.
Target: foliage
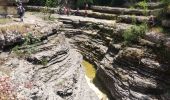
(5, 20)
(134, 33)
(109, 2)
(29, 44)
(144, 5)
(166, 2)
(81, 3)
(44, 61)
(51, 3)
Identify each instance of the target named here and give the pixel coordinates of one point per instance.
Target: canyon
(43, 59)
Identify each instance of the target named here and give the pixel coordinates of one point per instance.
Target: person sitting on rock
(21, 11)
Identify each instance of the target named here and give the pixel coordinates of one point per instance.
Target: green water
(90, 72)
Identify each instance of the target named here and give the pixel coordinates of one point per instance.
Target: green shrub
(133, 33)
(81, 3)
(51, 3)
(144, 5)
(44, 61)
(166, 2)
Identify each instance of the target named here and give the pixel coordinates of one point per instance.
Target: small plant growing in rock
(134, 33)
(28, 47)
(44, 61)
(144, 5)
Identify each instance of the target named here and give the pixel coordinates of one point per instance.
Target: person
(21, 11)
(65, 10)
(86, 8)
(77, 12)
(68, 11)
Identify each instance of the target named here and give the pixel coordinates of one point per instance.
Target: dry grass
(21, 28)
(160, 30)
(5, 20)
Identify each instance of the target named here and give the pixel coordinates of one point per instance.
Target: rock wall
(129, 72)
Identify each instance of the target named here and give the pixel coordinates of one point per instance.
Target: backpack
(21, 10)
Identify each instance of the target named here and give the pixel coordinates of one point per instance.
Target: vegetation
(44, 61)
(81, 3)
(134, 33)
(5, 20)
(29, 46)
(51, 3)
(166, 2)
(109, 2)
(144, 5)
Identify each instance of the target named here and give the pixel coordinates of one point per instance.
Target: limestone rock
(61, 78)
(133, 72)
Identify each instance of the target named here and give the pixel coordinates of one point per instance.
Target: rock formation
(44, 67)
(136, 72)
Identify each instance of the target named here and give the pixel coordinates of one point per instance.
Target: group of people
(67, 11)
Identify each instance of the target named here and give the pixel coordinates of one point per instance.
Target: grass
(5, 20)
(135, 32)
(20, 28)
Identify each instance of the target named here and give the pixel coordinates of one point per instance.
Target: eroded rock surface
(135, 72)
(48, 69)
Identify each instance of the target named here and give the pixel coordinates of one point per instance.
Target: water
(93, 81)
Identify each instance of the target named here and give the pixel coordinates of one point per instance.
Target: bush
(52, 3)
(81, 3)
(134, 33)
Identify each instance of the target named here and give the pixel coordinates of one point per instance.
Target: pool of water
(93, 81)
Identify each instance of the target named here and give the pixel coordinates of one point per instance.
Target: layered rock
(135, 72)
(48, 69)
(60, 78)
(118, 10)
